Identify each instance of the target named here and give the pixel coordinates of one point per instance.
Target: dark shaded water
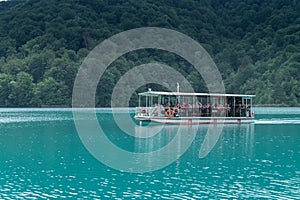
(42, 156)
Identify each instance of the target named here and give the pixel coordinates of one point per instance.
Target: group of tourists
(200, 110)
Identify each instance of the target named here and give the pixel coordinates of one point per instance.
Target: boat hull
(196, 120)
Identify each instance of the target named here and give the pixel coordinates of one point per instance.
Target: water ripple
(278, 121)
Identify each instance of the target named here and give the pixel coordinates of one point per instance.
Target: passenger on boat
(229, 110)
(214, 111)
(195, 109)
(190, 109)
(155, 110)
(177, 110)
(200, 106)
(243, 110)
(248, 113)
(208, 109)
(184, 108)
(226, 110)
(161, 110)
(167, 106)
(220, 110)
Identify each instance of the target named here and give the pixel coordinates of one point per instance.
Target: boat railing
(160, 111)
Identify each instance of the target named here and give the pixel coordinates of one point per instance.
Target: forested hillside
(255, 44)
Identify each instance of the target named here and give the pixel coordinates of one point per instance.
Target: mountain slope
(255, 44)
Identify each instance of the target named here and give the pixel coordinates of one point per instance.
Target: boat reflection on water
(232, 140)
(172, 141)
(165, 144)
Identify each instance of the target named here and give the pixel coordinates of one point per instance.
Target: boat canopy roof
(158, 93)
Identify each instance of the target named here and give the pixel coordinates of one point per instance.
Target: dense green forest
(255, 44)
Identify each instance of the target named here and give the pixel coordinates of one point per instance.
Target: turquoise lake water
(42, 156)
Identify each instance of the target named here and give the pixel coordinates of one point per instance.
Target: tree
(21, 90)
(5, 79)
(48, 93)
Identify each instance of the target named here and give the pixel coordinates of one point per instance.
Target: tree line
(254, 43)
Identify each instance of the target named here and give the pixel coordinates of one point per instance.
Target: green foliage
(50, 93)
(255, 44)
(21, 90)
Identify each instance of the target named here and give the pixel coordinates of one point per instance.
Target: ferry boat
(194, 108)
